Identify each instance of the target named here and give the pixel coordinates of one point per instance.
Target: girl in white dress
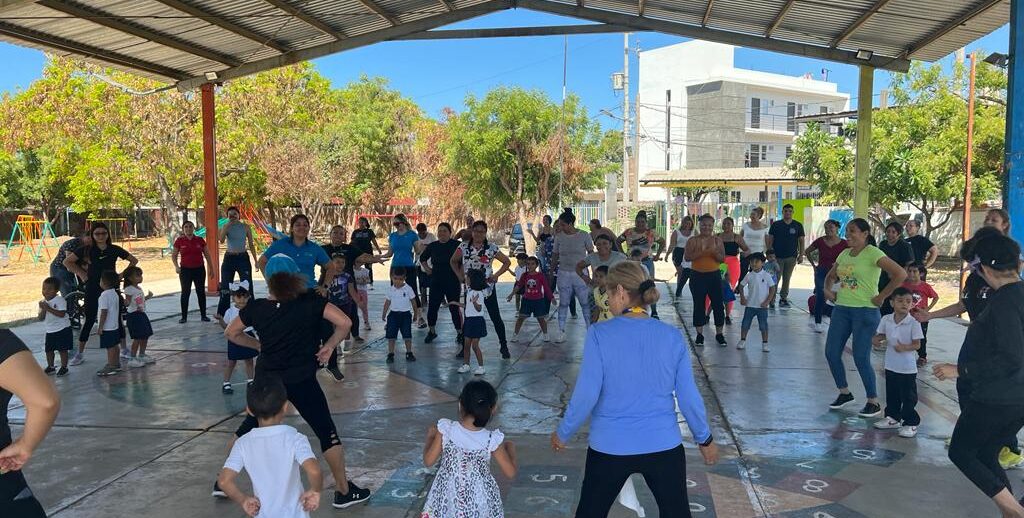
(464, 485)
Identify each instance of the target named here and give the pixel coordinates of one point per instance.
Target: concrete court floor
(149, 442)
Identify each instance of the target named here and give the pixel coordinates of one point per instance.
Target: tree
(918, 152)
(296, 174)
(430, 177)
(516, 150)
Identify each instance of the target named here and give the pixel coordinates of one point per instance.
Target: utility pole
(627, 183)
(966, 234)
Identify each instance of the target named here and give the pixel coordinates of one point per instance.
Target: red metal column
(211, 208)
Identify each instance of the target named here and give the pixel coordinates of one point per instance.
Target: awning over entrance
(190, 42)
(744, 176)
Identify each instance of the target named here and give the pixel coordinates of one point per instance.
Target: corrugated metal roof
(174, 40)
(719, 176)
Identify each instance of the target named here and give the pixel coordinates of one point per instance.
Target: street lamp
(998, 59)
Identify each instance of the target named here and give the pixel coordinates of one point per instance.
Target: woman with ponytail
(635, 370)
(464, 485)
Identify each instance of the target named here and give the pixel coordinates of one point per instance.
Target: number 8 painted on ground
(814, 485)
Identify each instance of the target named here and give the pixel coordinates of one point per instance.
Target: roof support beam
(949, 27)
(641, 7)
(65, 45)
(733, 38)
(778, 18)
(707, 13)
(879, 4)
(371, 5)
(220, 21)
(448, 5)
(307, 19)
(556, 30)
(111, 21)
(362, 40)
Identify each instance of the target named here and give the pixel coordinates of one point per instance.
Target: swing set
(33, 235)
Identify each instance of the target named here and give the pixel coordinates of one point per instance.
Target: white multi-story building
(695, 110)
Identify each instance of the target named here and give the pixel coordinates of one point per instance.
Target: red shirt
(827, 255)
(190, 251)
(923, 293)
(534, 286)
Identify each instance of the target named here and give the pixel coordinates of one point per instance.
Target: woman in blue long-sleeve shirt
(635, 368)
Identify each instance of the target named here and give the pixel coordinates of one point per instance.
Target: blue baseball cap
(280, 263)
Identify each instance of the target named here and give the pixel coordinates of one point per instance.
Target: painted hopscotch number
(690, 483)
(752, 473)
(820, 514)
(541, 500)
(697, 508)
(405, 493)
(806, 464)
(865, 454)
(549, 478)
(814, 485)
(855, 435)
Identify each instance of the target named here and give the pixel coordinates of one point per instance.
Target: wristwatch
(708, 442)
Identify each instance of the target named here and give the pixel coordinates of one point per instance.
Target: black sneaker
(430, 337)
(226, 389)
(205, 318)
(217, 492)
(728, 321)
(784, 303)
(49, 370)
(720, 338)
(504, 352)
(62, 372)
(355, 495)
(870, 410)
(335, 373)
(391, 358)
(460, 339)
(410, 357)
(841, 401)
(699, 340)
(182, 320)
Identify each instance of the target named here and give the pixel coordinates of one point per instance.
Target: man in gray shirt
(571, 247)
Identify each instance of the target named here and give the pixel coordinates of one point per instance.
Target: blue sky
(437, 74)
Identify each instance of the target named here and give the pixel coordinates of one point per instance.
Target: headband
(240, 285)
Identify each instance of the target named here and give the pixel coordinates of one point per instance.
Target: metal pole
(966, 234)
(627, 188)
(561, 138)
(210, 211)
(862, 168)
(1013, 189)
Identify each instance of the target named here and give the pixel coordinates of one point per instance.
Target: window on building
(754, 156)
(764, 153)
(755, 112)
(762, 196)
(789, 151)
(823, 109)
(790, 117)
(734, 197)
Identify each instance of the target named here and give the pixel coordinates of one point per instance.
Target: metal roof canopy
(181, 41)
(722, 177)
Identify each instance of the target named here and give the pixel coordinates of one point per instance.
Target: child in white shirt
(362, 277)
(473, 326)
(139, 326)
(53, 311)
(239, 299)
(901, 334)
(272, 455)
(400, 303)
(757, 291)
(521, 258)
(109, 319)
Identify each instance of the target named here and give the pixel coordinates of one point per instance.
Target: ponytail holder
(646, 285)
(235, 286)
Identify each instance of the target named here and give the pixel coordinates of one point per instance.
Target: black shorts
(62, 340)
(399, 321)
(474, 327)
(139, 326)
(424, 279)
(534, 308)
(110, 338)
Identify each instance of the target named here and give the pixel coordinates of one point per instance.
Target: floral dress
(464, 486)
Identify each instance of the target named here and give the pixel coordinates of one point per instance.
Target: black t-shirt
(976, 294)
(289, 334)
(100, 260)
(352, 252)
(440, 256)
(786, 238)
(920, 246)
(363, 239)
(900, 253)
(9, 346)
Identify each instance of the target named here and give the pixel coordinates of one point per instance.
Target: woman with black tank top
(734, 244)
(21, 376)
(444, 283)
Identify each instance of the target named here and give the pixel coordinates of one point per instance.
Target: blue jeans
(819, 293)
(750, 313)
(861, 323)
(649, 264)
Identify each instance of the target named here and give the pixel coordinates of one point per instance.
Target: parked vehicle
(516, 240)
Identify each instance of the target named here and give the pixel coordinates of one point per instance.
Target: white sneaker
(77, 359)
(888, 424)
(764, 347)
(820, 328)
(479, 371)
(135, 363)
(908, 431)
(812, 325)
(742, 344)
(560, 337)
(515, 338)
(147, 359)
(366, 327)
(546, 338)
(464, 369)
(125, 356)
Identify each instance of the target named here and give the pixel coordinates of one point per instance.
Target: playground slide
(220, 224)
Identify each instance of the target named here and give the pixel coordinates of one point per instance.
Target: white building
(695, 110)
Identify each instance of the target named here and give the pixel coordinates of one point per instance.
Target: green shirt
(858, 277)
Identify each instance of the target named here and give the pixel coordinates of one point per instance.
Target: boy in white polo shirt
(53, 311)
(757, 291)
(272, 454)
(902, 335)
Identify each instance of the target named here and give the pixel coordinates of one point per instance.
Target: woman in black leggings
(478, 253)
(992, 364)
(444, 283)
(706, 251)
(287, 323)
(188, 257)
(100, 256)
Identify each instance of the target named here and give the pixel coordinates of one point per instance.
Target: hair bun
(646, 285)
